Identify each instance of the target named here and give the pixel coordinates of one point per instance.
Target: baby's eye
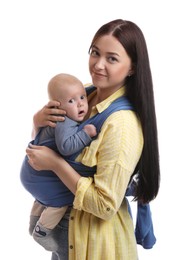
(83, 97)
(71, 101)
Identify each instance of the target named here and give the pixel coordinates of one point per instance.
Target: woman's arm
(47, 116)
(43, 158)
(116, 153)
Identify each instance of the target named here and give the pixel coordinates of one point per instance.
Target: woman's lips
(98, 75)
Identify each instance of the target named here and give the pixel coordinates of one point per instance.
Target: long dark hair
(139, 90)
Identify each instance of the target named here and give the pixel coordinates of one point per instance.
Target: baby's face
(74, 102)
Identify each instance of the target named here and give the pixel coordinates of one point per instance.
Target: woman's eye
(112, 59)
(94, 53)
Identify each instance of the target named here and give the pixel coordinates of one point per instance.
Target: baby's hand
(90, 130)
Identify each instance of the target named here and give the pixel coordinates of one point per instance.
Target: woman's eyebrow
(110, 53)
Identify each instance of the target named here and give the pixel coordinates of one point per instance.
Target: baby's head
(71, 94)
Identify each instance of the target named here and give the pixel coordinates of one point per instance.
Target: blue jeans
(60, 234)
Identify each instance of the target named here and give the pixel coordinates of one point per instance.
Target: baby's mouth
(81, 112)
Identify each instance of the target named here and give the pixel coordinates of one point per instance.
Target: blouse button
(72, 218)
(108, 209)
(71, 246)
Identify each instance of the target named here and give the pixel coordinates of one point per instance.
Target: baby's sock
(32, 223)
(43, 236)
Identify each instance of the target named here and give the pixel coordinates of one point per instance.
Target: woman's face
(109, 64)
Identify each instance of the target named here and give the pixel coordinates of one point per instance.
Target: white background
(42, 38)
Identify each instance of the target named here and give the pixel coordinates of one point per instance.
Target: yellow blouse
(100, 227)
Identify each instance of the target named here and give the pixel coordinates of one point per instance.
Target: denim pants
(60, 234)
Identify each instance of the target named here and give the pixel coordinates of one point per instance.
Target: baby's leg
(35, 214)
(50, 217)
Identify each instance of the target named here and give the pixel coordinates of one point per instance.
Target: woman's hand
(42, 157)
(47, 116)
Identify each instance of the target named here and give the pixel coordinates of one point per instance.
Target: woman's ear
(131, 72)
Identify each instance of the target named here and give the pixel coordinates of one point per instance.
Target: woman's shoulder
(88, 85)
(122, 121)
(89, 88)
(122, 116)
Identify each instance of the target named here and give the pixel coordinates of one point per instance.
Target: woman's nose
(100, 64)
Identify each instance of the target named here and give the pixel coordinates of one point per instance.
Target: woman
(99, 226)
